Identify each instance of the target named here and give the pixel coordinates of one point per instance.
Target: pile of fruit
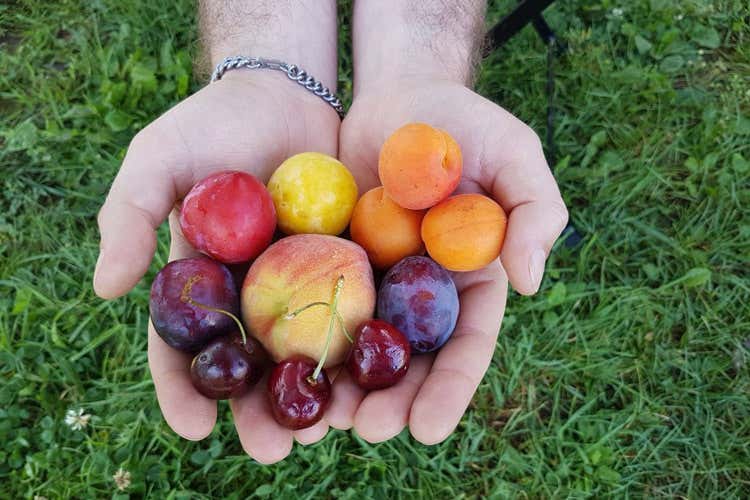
(307, 301)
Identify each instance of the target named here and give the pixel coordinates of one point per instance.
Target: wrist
(405, 40)
(276, 85)
(302, 33)
(292, 72)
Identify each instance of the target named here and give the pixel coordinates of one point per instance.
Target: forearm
(404, 38)
(301, 32)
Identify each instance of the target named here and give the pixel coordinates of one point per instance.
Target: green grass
(627, 376)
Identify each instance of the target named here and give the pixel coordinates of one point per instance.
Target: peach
(419, 166)
(299, 270)
(464, 232)
(387, 231)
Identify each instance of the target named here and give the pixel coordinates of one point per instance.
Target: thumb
(533, 228)
(523, 184)
(139, 200)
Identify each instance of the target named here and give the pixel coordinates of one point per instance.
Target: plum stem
(185, 297)
(294, 314)
(334, 314)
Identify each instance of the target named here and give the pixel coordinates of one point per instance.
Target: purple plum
(187, 326)
(418, 297)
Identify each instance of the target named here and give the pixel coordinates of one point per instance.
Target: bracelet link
(292, 71)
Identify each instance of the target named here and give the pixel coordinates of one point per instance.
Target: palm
(253, 125)
(500, 154)
(444, 105)
(238, 124)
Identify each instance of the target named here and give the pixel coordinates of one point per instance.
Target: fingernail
(536, 268)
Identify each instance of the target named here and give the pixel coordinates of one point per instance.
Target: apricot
(387, 231)
(464, 232)
(419, 166)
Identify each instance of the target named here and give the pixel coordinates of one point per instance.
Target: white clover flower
(679, 17)
(39, 497)
(76, 419)
(122, 479)
(617, 12)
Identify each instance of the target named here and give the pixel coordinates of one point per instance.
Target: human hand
(248, 121)
(502, 158)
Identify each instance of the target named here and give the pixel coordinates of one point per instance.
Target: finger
(187, 412)
(312, 434)
(532, 230)
(138, 202)
(522, 183)
(179, 248)
(462, 362)
(345, 400)
(260, 435)
(384, 413)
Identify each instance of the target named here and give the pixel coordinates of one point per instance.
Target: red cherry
(223, 370)
(229, 216)
(296, 401)
(259, 359)
(380, 355)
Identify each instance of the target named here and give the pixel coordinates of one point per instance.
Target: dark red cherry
(296, 401)
(380, 355)
(222, 370)
(259, 359)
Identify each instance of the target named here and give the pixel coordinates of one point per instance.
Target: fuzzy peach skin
(296, 271)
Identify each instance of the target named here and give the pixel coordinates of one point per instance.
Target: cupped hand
(502, 158)
(249, 121)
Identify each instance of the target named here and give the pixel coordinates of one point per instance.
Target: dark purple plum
(418, 297)
(223, 370)
(185, 326)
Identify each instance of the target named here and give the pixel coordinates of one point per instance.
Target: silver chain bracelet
(294, 73)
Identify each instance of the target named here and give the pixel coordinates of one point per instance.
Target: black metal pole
(514, 22)
(531, 11)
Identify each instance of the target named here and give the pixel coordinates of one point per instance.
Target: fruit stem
(343, 327)
(334, 314)
(294, 314)
(185, 297)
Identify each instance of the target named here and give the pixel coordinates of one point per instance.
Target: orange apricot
(419, 166)
(464, 232)
(386, 231)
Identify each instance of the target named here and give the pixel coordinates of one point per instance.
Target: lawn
(628, 375)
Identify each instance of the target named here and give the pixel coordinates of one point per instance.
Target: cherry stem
(343, 327)
(294, 314)
(334, 315)
(185, 297)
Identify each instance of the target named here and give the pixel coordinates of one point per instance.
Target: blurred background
(627, 375)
